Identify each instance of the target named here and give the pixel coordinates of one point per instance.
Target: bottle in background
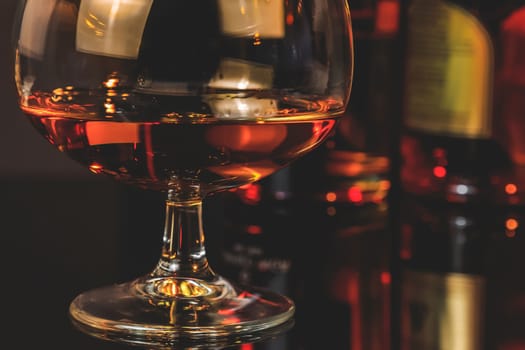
(464, 99)
(344, 273)
(261, 238)
(318, 230)
(444, 278)
(462, 176)
(359, 148)
(330, 257)
(361, 144)
(260, 232)
(461, 267)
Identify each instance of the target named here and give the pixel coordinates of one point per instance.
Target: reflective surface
(333, 300)
(345, 303)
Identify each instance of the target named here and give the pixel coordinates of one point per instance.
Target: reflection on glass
(242, 75)
(261, 18)
(243, 107)
(112, 28)
(34, 26)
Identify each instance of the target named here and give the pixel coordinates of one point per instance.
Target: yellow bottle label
(442, 311)
(449, 71)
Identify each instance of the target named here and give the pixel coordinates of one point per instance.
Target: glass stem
(183, 250)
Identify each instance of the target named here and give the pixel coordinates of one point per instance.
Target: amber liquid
(160, 151)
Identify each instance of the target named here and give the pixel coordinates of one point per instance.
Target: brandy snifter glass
(188, 98)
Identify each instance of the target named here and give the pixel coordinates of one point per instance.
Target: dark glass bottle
(359, 148)
(260, 232)
(260, 238)
(349, 270)
(353, 166)
(460, 276)
(330, 256)
(361, 144)
(464, 101)
(462, 175)
(318, 230)
(444, 281)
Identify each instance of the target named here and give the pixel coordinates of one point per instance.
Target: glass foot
(167, 310)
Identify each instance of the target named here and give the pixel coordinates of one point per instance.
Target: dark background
(62, 229)
(23, 153)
